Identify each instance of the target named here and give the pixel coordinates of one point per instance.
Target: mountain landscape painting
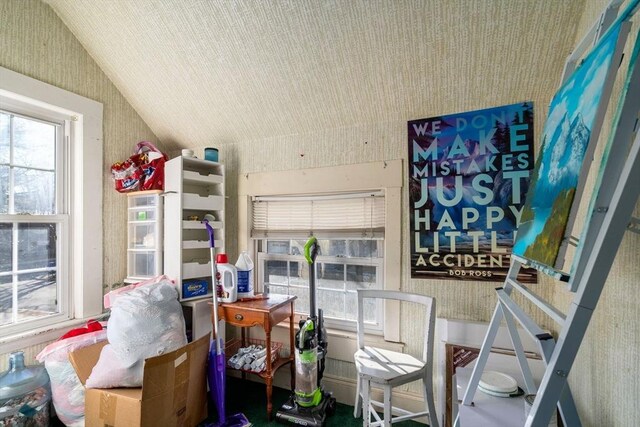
(566, 137)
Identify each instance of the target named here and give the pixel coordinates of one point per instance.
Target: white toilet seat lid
(498, 382)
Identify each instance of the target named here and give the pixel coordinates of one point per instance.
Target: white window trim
(85, 190)
(373, 176)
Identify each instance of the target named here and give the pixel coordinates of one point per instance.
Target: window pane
(34, 143)
(6, 299)
(302, 303)
(37, 295)
(351, 300)
(361, 277)
(330, 275)
(297, 247)
(298, 270)
(334, 247)
(299, 274)
(6, 243)
(36, 246)
(275, 272)
(370, 309)
(34, 191)
(278, 247)
(352, 308)
(332, 303)
(363, 248)
(280, 290)
(4, 138)
(4, 189)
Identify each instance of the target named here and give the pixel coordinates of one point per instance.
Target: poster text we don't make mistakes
(468, 175)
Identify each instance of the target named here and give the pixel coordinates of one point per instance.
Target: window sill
(39, 336)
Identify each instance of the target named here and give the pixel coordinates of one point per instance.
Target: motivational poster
(468, 177)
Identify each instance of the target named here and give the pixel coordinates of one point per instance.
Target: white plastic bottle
(226, 279)
(245, 275)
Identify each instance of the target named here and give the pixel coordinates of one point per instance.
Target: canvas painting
(616, 123)
(566, 137)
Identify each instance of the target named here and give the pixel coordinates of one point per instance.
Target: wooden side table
(265, 313)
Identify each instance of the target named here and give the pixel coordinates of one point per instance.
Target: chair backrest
(430, 310)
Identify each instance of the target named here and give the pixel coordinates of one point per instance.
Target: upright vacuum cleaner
(309, 405)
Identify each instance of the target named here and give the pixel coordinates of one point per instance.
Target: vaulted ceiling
(213, 71)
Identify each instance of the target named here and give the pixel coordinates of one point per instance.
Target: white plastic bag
(145, 321)
(66, 389)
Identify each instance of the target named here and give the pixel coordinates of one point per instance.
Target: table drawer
(241, 317)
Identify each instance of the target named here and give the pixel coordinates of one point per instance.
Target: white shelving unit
(193, 188)
(144, 235)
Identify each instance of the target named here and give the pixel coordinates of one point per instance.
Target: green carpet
(250, 398)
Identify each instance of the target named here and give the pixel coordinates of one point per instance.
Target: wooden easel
(610, 216)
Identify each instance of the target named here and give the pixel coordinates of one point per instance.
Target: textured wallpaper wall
(485, 54)
(35, 42)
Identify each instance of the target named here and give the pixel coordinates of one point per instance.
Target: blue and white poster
(468, 176)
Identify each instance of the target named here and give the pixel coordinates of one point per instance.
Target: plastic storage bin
(25, 394)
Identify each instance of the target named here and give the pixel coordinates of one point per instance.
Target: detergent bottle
(226, 279)
(245, 276)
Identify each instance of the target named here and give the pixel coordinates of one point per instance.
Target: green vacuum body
(307, 391)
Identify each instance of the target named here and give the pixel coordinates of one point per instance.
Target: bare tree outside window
(28, 250)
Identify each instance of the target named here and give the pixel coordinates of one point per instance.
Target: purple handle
(212, 243)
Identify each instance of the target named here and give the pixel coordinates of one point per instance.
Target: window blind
(353, 215)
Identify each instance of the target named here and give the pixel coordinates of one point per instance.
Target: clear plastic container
(306, 374)
(25, 394)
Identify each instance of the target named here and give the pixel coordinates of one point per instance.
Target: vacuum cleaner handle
(311, 250)
(310, 253)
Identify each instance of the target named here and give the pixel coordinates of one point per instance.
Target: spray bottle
(226, 279)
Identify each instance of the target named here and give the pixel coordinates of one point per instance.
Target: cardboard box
(173, 393)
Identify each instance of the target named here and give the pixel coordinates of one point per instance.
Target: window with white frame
(33, 218)
(353, 255)
(350, 232)
(50, 210)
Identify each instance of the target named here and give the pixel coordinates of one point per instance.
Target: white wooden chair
(388, 369)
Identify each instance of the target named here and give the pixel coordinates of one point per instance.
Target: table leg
(269, 377)
(269, 381)
(243, 343)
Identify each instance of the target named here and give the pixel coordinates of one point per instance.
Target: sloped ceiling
(209, 71)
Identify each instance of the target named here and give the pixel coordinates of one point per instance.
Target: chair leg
(366, 416)
(431, 406)
(357, 406)
(387, 406)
